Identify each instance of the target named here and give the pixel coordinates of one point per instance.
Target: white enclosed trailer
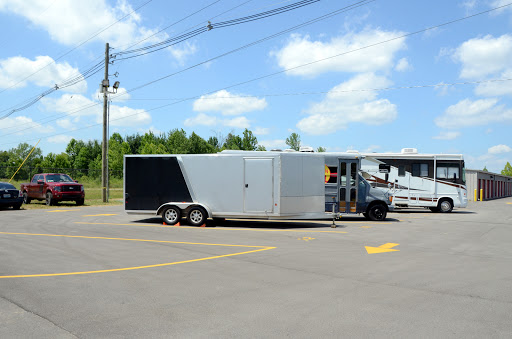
(241, 184)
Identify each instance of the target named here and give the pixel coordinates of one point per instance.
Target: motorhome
(434, 181)
(250, 184)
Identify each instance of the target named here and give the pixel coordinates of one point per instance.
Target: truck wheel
(26, 199)
(377, 213)
(171, 215)
(445, 206)
(196, 216)
(80, 202)
(49, 199)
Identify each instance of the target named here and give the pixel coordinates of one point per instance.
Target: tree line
(83, 158)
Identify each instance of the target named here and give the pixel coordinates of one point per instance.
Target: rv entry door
(348, 181)
(258, 185)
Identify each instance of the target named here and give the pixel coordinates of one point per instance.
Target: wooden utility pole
(104, 150)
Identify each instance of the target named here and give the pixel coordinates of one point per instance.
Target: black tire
(171, 215)
(49, 199)
(445, 206)
(366, 215)
(434, 209)
(377, 212)
(80, 202)
(196, 216)
(26, 199)
(16, 207)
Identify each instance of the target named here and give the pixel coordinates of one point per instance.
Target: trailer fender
(183, 206)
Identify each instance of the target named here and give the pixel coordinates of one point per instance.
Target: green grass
(92, 189)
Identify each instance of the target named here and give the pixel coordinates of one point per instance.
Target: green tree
(16, 157)
(261, 148)
(62, 162)
(177, 142)
(233, 142)
(293, 141)
(48, 163)
(485, 169)
(198, 145)
(215, 143)
(249, 141)
(134, 141)
(507, 170)
(321, 149)
(117, 148)
(73, 149)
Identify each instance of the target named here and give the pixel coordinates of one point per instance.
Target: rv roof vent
(352, 151)
(409, 151)
(276, 150)
(289, 150)
(306, 149)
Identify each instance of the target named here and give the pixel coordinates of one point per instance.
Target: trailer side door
(258, 185)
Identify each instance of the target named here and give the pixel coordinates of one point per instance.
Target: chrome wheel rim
(171, 215)
(445, 206)
(196, 216)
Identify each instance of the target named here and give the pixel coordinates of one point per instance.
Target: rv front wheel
(445, 206)
(196, 216)
(377, 212)
(171, 215)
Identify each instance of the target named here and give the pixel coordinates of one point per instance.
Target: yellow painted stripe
(58, 211)
(206, 228)
(260, 248)
(98, 215)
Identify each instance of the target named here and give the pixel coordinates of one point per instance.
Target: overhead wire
(72, 49)
(307, 64)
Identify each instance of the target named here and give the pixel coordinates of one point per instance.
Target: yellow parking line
(208, 228)
(259, 249)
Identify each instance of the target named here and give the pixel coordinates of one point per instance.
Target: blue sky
(435, 90)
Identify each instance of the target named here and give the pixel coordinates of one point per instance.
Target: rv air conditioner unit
(409, 151)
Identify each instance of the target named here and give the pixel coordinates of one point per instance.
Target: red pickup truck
(53, 187)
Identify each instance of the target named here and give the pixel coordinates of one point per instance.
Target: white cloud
(81, 110)
(484, 56)
(273, 144)
(65, 123)
(180, 53)
(201, 119)
(403, 65)
(238, 122)
(10, 125)
(344, 104)
(71, 22)
(496, 88)
(228, 103)
(301, 50)
(60, 139)
(42, 71)
(499, 3)
(474, 113)
(444, 135)
(498, 149)
(261, 131)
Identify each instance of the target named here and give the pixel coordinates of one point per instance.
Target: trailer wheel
(445, 206)
(196, 216)
(377, 212)
(171, 215)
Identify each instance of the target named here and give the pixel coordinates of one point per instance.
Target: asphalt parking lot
(91, 272)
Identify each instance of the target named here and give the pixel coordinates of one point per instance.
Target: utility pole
(104, 150)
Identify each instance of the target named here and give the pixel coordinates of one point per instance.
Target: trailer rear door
(258, 185)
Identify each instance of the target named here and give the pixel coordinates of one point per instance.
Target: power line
(80, 44)
(307, 64)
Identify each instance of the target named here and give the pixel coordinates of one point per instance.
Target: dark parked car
(10, 196)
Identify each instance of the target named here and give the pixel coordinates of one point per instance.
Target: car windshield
(58, 178)
(6, 186)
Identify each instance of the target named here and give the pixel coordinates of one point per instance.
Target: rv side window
(448, 171)
(420, 170)
(401, 171)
